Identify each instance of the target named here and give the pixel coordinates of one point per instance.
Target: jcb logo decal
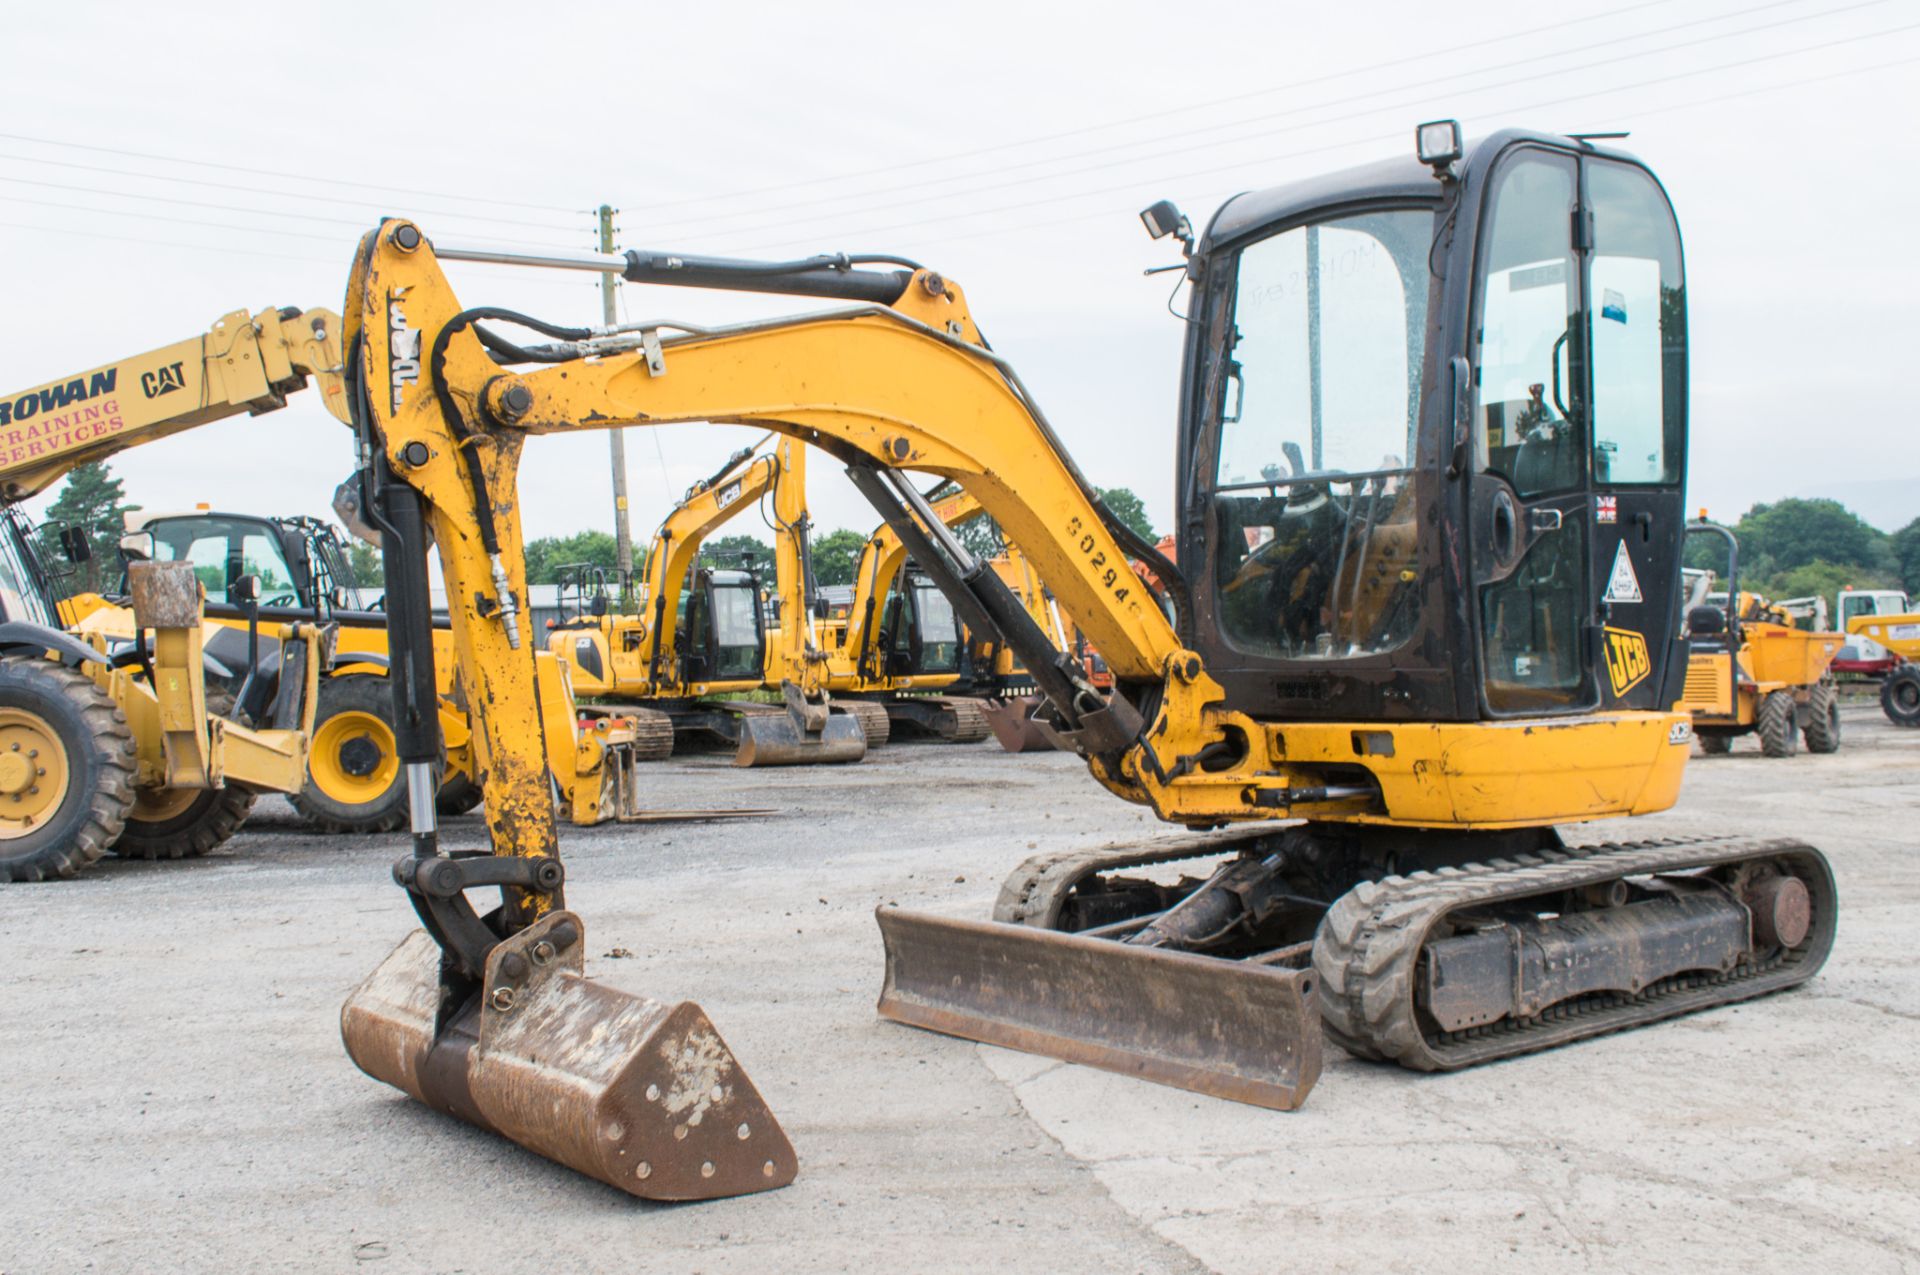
(163, 380)
(1627, 661)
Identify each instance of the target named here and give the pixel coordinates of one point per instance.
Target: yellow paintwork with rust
(910, 386)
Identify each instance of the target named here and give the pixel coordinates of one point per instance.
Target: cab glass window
(1314, 493)
(1639, 330)
(221, 552)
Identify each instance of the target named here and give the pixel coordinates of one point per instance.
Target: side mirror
(75, 546)
(244, 589)
(339, 596)
(599, 604)
(136, 546)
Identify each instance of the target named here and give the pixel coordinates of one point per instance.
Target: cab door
(1529, 493)
(1638, 376)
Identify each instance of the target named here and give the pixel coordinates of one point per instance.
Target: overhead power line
(1054, 174)
(1039, 139)
(1268, 160)
(295, 194)
(269, 172)
(1187, 140)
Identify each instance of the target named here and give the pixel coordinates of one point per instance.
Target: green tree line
(1799, 548)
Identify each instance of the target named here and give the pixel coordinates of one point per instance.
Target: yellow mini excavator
(1429, 408)
(685, 663)
(903, 644)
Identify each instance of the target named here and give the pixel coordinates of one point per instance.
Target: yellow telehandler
(1427, 417)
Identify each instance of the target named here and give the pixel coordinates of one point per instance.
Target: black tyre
(184, 823)
(458, 795)
(66, 770)
(1779, 730)
(1823, 719)
(1900, 696)
(355, 782)
(1714, 745)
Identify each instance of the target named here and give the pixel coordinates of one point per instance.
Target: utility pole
(616, 439)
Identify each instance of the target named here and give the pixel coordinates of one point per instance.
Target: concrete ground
(176, 1098)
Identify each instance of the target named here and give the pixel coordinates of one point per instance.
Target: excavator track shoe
(1235, 1030)
(641, 1095)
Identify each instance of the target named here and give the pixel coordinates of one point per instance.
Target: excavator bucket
(1012, 724)
(641, 1095)
(803, 732)
(1232, 1029)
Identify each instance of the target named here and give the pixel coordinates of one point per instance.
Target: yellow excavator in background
(1398, 650)
(903, 644)
(701, 641)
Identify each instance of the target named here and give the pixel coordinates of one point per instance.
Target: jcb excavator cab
(920, 633)
(723, 632)
(1435, 437)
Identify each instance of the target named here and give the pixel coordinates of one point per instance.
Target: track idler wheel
(638, 1094)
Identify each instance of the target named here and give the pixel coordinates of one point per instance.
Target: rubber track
(1368, 947)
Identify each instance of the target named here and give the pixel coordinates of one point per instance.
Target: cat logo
(1627, 660)
(164, 380)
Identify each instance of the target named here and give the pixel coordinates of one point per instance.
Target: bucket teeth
(638, 1094)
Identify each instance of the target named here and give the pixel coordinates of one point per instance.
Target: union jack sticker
(1607, 509)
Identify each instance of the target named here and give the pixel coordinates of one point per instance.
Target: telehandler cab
(1429, 478)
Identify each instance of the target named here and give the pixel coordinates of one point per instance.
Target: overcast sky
(161, 165)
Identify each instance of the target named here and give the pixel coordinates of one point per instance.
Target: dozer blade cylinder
(775, 739)
(641, 1095)
(1244, 1032)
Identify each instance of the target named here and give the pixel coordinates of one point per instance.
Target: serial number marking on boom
(1097, 560)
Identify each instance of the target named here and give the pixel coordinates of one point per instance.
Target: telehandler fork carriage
(1401, 645)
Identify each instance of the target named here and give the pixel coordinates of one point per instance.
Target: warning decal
(1623, 585)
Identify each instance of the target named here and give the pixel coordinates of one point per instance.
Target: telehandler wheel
(66, 770)
(1715, 744)
(1779, 731)
(184, 823)
(458, 794)
(1900, 696)
(1823, 719)
(355, 782)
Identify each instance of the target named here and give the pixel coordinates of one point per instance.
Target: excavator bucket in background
(1232, 1029)
(644, 1096)
(803, 732)
(1012, 724)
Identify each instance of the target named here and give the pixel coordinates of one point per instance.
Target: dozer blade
(1012, 724)
(775, 739)
(643, 1096)
(1231, 1029)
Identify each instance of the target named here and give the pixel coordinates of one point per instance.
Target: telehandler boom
(1426, 414)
